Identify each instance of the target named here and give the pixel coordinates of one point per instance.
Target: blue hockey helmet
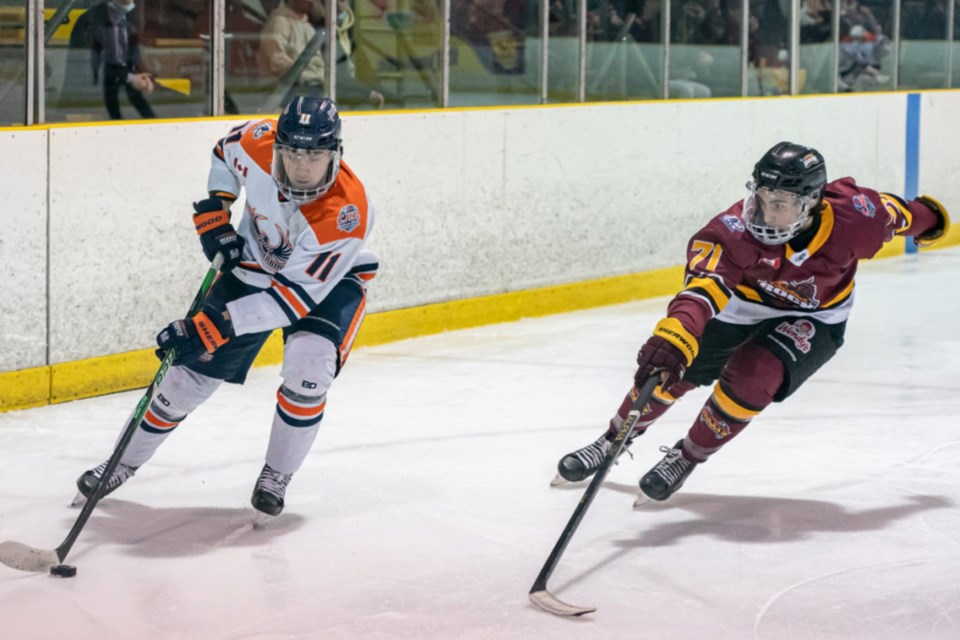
(307, 149)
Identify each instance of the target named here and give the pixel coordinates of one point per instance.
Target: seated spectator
(284, 39)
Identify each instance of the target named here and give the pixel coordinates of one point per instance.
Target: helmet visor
(774, 216)
(304, 173)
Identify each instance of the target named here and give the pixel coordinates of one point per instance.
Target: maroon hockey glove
(195, 337)
(669, 351)
(217, 235)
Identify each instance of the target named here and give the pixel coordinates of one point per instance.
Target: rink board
(472, 204)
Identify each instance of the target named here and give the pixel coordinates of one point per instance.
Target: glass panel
(116, 59)
(704, 49)
(563, 51)
(816, 46)
(624, 54)
(396, 52)
(955, 47)
(923, 44)
(770, 59)
(13, 62)
(865, 45)
(494, 52)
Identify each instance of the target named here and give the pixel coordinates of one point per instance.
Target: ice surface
(424, 509)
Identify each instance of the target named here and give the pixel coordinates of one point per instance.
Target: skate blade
(78, 500)
(558, 481)
(642, 501)
(263, 520)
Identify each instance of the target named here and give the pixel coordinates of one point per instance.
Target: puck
(63, 570)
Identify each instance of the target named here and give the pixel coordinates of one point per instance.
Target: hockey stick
(538, 592)
(26, 558)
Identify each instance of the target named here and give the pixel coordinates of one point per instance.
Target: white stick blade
(549, 603)
(17, 555)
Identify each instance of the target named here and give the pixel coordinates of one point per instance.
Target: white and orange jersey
(295, 253)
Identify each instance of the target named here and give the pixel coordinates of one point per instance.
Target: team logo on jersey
(862, 204)
(261, 129)
(273, 253)
(349, 218)
(733, 223)
(799, 331)
(716, 424)
(802, 294)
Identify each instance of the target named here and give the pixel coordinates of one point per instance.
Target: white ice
(424, 509)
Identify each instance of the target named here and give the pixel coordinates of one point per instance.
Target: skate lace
(120, 475)
(592, 454)
(273, 482)
(673, 466)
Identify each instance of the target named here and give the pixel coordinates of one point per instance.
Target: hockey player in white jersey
(296, 260)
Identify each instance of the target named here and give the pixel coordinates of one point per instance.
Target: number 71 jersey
(295, 252)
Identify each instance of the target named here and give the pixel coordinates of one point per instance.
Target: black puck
(63, 570)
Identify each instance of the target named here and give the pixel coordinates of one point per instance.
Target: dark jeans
(115, 77)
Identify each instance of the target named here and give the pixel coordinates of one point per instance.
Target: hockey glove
(217, 235)
(669, 351)
(195, 337)
(939, 230)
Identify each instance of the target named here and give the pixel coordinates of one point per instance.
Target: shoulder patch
(733, 223)
(862, 204)
(261, 129)
(349, 218)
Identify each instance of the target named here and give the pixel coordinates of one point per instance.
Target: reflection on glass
(816, 46)
(113, 59)
(923, 45)
(769, 48)
(704, 49)
(494, 52)
(624, 54)
(563, 53)
(13, 62)
(866, 63)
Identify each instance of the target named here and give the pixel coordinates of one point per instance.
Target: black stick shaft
(643, 396)
(134, 422)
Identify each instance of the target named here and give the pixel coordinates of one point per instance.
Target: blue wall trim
(912, 168)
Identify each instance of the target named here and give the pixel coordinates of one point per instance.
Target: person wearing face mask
(768, 289)
(112, 37)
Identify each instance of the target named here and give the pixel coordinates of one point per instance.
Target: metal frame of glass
(36, 39)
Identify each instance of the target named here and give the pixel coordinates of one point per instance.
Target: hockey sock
(747, 385)
(295, 425)
(154, 428)
(659, 402)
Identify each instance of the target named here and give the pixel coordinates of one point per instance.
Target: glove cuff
(211, 334)
(210, 220)
(942, 228)
(671, 330)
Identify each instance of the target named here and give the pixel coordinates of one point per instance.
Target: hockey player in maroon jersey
(296, 260)
(768, 289)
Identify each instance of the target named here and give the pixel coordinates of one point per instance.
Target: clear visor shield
(303, 174)
(774, 216)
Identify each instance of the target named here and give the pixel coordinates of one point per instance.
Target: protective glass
(304, 174)
(774, 216)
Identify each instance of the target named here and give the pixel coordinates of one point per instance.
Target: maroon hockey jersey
(733, 277)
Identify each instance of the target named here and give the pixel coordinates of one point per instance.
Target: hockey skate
(269, 491)
(581, 464)
(87, 483)
(668, 475)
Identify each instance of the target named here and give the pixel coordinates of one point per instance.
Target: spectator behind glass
(284, 38)
(113, 39)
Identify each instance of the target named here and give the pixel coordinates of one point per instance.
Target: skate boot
(269, 491)
(584, 462)
(668, 475)
(87, 483)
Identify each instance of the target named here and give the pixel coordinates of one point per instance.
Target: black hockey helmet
(787, 187)
(307, 149)
(794, 168)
